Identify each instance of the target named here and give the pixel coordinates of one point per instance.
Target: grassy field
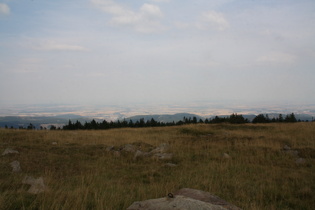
(81, 174)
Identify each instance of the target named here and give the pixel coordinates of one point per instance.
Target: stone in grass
(226, 156)
(9, 151)
(37, 185)
(178, 202)
(15, 166)
(161, 149)
(163, 156)
(286, 147)
(140, 154)
(129, 148)
(186, 198)
(171, 165)
(206, 197)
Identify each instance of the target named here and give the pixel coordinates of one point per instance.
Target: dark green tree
(290, 118)
(52, 127)
(31, 127)
(237, 119)
(261, 119)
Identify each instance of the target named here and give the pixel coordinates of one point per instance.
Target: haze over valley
(59, 115)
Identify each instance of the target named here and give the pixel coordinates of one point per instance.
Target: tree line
(141, 123)
(233, 119)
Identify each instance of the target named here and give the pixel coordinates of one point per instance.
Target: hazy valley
(54, 114)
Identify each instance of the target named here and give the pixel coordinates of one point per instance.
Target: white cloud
(207, 20)
(4, 9)
(277, 58)
(212, 19)
(151, 11)
(146, 20)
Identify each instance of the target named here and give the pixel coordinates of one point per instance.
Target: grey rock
(9, 151)
(161, 149)
(163, 156)
(129, 148)
(15, 166)
(226, 156)
(140, 154)
(188, 199)
(178, 202)
(109, 148)
(54, 143)
(286, 147)
(37, 185)
(205, 197)
(172, 165)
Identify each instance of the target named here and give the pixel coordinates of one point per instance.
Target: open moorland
(265, 166)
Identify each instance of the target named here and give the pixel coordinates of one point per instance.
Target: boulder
(163, 156)
(15, 166)
(226, 156)
(188, 199)
(9, 151)
(129, 148)
(177, 203)
(37, 185)
(140, 154)
(161, 149)
(205, 197)
(171, 165)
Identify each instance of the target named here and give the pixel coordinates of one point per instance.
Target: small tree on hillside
(290, 118)
(31, 127)
(237, 119)
(261, 119)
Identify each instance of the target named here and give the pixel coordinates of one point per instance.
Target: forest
(233, 119)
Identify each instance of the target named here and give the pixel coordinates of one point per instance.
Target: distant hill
(165, 118)
(24, 121)
(250, 117)
(60, 120)
(302, 117)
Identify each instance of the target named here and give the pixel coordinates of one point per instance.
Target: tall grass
(81, 174)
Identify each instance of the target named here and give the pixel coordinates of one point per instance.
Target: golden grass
(81, 174)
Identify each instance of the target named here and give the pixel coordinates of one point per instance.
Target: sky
(157, 51)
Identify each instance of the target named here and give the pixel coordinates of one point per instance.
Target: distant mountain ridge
(165, 117)
(24, 121)
(60, 120)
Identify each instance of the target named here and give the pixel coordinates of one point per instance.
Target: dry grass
(81, 174)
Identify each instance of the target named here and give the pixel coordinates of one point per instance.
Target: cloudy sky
(157, 51)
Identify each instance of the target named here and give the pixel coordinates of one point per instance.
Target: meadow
(81, 173)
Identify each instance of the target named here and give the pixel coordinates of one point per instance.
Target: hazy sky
(168, 51)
